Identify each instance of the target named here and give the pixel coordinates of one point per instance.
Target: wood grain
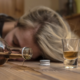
(33, 71)
(14, 8)
(74, 22)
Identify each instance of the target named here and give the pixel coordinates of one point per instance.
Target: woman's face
(23, 38)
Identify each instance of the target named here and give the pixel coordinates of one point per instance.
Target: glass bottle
(7, 52)
(71, 7)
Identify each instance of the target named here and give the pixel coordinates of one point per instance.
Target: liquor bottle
(7, 52)
(71, 7)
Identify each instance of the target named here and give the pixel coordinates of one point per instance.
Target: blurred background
(69, 9)
(17, 8)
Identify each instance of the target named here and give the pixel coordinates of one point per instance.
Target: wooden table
(33, 71)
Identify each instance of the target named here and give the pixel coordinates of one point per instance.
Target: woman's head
(42, 29)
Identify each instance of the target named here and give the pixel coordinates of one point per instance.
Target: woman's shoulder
(6, 18)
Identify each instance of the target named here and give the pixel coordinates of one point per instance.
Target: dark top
(4, 18)
(1, 27)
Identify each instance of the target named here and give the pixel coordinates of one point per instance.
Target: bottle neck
(25, 52)
(15, 49)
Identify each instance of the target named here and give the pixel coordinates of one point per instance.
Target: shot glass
(70, 52)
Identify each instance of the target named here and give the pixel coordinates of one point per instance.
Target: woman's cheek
(8, 40)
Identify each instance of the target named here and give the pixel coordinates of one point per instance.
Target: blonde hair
(52, 28)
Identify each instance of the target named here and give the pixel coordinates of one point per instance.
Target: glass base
(69, 67)
(70, 63)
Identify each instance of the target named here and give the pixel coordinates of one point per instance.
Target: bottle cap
(44, 62)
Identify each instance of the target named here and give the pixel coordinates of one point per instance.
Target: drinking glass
(70, 52)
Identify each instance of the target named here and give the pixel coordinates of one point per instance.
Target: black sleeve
(2, 20)
(1, 27)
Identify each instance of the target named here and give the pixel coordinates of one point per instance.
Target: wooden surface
(74, 22)
(14, 8)
(33, 71)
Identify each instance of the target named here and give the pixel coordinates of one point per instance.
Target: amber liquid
(70, 55)
(4, 56)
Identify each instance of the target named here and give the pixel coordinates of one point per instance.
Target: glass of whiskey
(70, 52)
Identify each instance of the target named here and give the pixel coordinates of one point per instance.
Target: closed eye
(14, 44)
